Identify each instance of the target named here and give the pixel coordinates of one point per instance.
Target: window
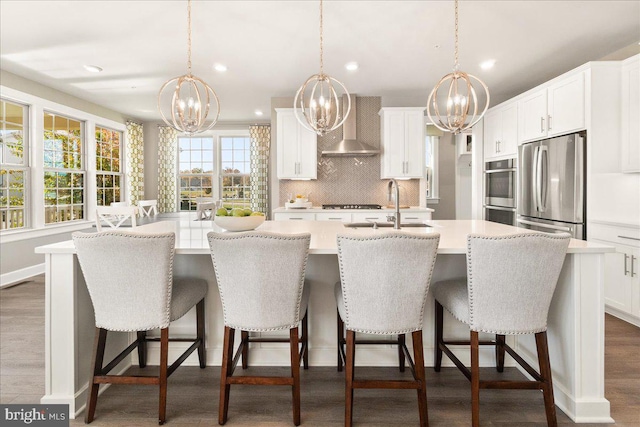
(195, 170)
(13, 165)
(235, 168)
(108, 176)
(63, 169)
(431, 162)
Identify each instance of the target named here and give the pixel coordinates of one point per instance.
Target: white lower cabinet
(366, 216)
(622, 271)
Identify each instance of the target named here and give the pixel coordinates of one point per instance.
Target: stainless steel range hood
(350, 146)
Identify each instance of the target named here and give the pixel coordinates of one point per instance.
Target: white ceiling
(271, 47)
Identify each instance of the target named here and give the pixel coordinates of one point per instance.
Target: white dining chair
(123, 303)
(205, 208)
(147, 208)
(120, 204)
(384, 281)
(508, 289)
(115, 216)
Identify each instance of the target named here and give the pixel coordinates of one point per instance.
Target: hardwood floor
(193, 393)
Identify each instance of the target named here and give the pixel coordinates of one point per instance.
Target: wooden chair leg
(305, 341)
(164, 360)
(98, 358)
(418, 355)
(500, 353)
(349, 375)
(295, 374)
(401, 343)
(545, 373)
(340, 340)
(200, 322)
(438, 337)
(244, 339)
(227, 361)
(142, 348)
(475, 380)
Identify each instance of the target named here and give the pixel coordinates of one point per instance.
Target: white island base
(575, 334)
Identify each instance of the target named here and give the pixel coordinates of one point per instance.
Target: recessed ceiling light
(488, 64)
(220, 67)
(258, 113)
(93, 68)
(351, 66)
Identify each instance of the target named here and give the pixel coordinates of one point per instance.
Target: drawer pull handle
(630, 238)
(373, 218)
(335, 219)
(411, 217)
(632, 260)
(295, 218)
(626, 269)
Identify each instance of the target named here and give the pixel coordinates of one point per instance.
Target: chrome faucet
(396, 218)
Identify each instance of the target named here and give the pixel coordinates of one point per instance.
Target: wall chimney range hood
(350, 146)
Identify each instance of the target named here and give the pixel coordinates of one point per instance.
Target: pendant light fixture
(317, 105)
(184, 102)
(461, 97)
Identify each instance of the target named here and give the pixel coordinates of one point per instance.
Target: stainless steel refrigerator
(551, 177)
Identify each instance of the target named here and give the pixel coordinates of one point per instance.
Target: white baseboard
(629, 318)
(17, 276)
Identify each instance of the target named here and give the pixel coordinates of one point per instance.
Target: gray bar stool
(384, 281)
(266, 292)
(131, 285)
(508, 289)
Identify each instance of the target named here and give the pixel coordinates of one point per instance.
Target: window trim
(214, 173)
(122, 173)
(37, 106)
(223, 134)
(26, 166)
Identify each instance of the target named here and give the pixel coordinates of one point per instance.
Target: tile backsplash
(343, 180)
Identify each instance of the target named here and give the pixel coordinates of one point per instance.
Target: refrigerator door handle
(544, 178)
(542, 225)
(536, 187)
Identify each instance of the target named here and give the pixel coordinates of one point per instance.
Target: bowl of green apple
(238, 219)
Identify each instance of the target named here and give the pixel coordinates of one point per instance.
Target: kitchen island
(576, 318)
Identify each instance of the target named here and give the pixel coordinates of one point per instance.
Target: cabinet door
(393, 138)
(377, 215)
(509, 143)
(307, 153)
(414, 144)
(287, 144)
(618, 292)
(492, 131)
(566, 106)
(634, 278)
(533, 116)
(630, 113)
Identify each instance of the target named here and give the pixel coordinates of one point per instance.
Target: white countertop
(318, 209)
(191, 235)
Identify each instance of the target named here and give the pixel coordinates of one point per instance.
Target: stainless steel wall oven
(500, 182)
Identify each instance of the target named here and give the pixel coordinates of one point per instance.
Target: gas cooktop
(352, 206)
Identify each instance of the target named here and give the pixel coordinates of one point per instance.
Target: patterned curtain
(167, 178)
(259, 177)
(135, 162)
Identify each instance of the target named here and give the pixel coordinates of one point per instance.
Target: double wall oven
(500, 181)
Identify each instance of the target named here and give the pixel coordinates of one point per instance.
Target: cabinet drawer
(344, 217)
(415, 216)
(285, 216)
(629, 236)
(370, 216)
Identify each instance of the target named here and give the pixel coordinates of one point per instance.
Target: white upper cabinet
(630, 161)
(501, 132)
(296, 147)
(403, 141)
(555, 110)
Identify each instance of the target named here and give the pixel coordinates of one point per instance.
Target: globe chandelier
(317, 104)
(184, 102)
(461, 101)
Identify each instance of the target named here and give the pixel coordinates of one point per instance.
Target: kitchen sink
(383, 224)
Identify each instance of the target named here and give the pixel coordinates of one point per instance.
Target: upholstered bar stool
(261, 281)
(508, 291)
(122, 302)
(384, 281)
